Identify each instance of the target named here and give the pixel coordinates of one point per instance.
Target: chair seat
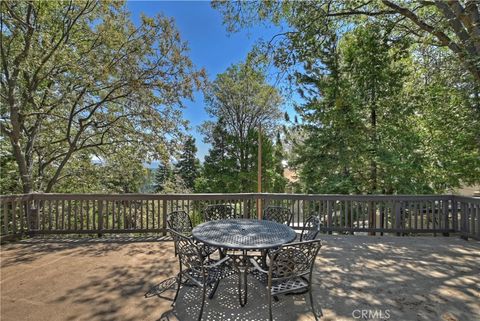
(289, 285)
(260, 276)
(214, 274)
(279, 287)
(208, 250)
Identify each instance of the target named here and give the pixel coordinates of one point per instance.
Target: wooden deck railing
(35, 214)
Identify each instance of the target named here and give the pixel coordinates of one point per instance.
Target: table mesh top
(243, 234)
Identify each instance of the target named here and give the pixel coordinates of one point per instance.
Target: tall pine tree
(163, 175)
(188, 165)
(359, 133)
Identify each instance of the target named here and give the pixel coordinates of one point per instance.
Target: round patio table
(244, 235)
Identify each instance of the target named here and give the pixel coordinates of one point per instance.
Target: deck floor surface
(413, 278)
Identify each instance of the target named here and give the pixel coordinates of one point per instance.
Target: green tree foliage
(119, 176)
(188, 165)
(218, 167)
(109, 174)
(367, 130)
(447, 121)
(80, 77)
(167, 180)
(240, 100)
(451, 24)
(273, 156)
(163, 174)
(9, 180)
(221, 172)
(391, 103)
(148, 184)
(358, 134)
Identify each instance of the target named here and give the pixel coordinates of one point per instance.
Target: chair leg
(313, 308)
(203, 302)
(270, 315)
(179, 284)
(214, 289)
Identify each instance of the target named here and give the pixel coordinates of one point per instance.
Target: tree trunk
(373, 162)
(373, 165)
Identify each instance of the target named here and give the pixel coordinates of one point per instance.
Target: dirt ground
(379, 278)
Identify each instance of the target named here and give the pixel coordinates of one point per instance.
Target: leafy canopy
(80, 80)
(240, 101)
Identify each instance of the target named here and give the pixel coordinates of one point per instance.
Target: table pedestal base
(241, 264)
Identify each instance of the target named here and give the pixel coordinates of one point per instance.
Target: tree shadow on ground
(427, 279)
(30, 250)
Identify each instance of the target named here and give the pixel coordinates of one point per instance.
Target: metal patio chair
(311, 228)
(278, 214)
(180, 222)
(290, 270)
(219, 212)
(198, 269)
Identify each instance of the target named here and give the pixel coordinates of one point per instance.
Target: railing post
(32, 219)
(243, 206)
(259, 206)
(455, 214)
(445, 216)
(463, 222)
(329, 217)
(5, 217)
(372, 215)
(29, 224)
(477, 217)
(164, 217)
(100, 217)
(397, 217)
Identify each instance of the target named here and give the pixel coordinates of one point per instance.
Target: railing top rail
(363, 197)
(16, 197)
(129, 196)
(234, 196)
(469, 199)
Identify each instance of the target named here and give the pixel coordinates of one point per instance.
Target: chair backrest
(189, 253)
(311, 228)
(179, 221)
(278, 214)
(219, 212)
(293, 260)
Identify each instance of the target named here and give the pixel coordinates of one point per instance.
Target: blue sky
(211, 46)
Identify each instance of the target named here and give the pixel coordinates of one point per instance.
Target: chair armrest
(226, 258)
(257, 267)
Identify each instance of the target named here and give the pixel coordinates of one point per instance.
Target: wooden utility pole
(259, 173)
